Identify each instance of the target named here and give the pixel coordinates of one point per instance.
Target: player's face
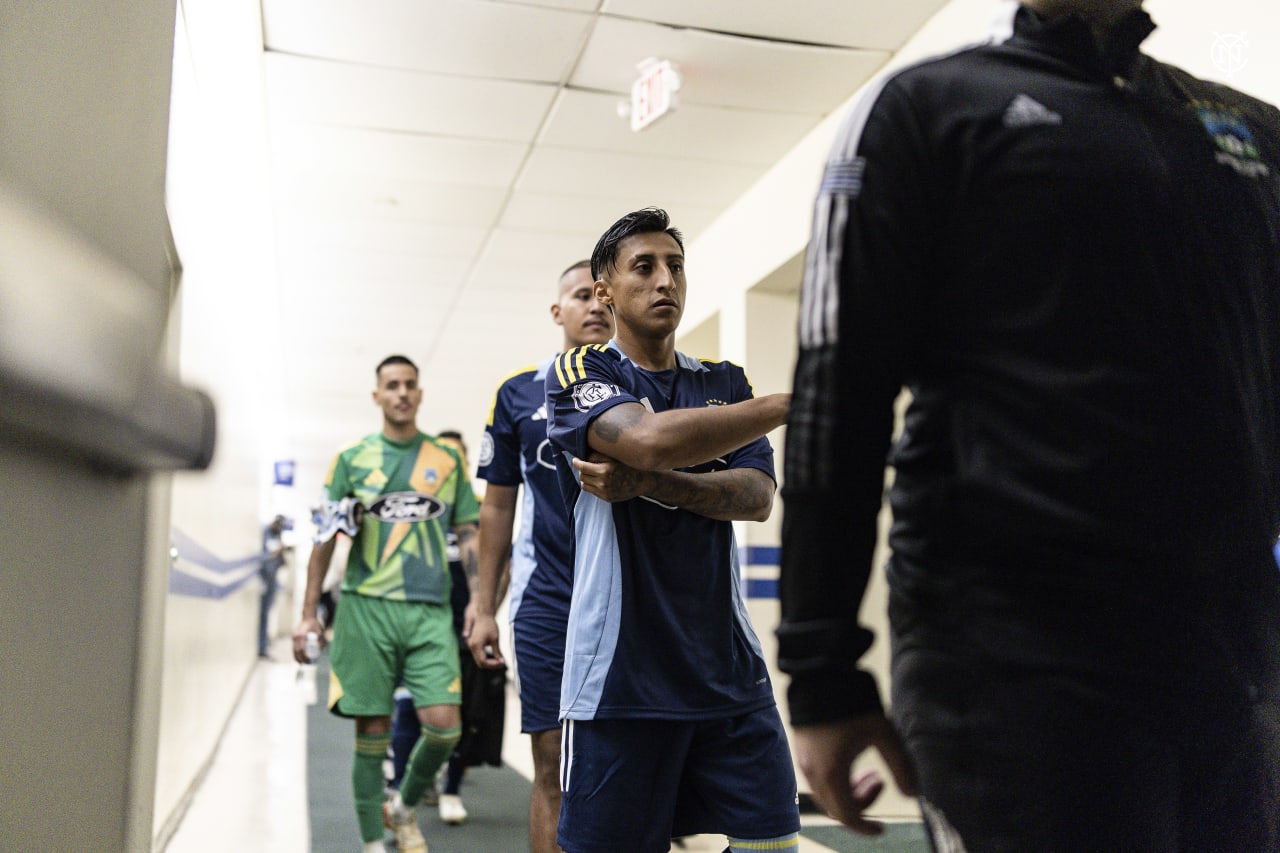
(647, 285)
(584, 319)
(398, 394)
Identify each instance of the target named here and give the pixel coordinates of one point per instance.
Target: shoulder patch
(590, 394)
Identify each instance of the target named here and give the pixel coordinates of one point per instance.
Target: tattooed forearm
(628, 482)
(610, 426)
(743, 494)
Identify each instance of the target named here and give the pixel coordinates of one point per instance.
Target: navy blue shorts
(539, 645)
(634, 784)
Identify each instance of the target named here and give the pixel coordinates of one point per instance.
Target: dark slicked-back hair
(394, 359)
(646, 221)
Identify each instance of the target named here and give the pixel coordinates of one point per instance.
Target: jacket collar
(1070, 39)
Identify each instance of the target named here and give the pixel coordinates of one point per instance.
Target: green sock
(366, 782)
(428, 754)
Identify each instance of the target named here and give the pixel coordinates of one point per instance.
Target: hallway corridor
(255, 798)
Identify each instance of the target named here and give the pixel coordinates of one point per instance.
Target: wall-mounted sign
(284, 472)
(654, 94)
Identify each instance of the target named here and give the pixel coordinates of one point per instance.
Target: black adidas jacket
(1070, 254)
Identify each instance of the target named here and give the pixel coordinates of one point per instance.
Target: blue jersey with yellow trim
(657, 624)
(515, 451)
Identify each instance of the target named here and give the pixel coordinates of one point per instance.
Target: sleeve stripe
(842, 180)
(564, 382)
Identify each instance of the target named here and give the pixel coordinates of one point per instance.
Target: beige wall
(83, 103)
(227, 326)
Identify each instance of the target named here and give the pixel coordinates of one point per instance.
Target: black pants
(1041, 731)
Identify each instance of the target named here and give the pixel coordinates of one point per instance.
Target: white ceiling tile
(849, 23)
(578, 5)
(349, 280)
(404, 131)
(590, 216)
(382, 197)
(343, 151)
(539, 280)
(727, 71)
(590, 120)
(301, 89)
(586, 216)
(518, 246)
(475, 39)
(648, 180)
(346, 234)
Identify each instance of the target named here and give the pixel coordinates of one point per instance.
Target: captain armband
(333, 516)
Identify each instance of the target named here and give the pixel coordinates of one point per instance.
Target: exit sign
(654, 94)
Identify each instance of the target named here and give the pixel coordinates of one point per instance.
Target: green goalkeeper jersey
(412, 492)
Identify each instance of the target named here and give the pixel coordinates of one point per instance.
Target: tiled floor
(254, 797)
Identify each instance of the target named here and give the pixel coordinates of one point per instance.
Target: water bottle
(306, 679)
(312, 647)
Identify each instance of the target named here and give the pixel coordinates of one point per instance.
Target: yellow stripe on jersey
(564, 382)
(493, 406)
(571, 366)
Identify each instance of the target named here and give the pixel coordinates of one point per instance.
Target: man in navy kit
(515, 451)
(1070, 254)
(670, 724)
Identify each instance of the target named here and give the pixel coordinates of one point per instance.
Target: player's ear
(603, 294)
(555, 314)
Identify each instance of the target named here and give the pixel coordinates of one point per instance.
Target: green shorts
(379, 644)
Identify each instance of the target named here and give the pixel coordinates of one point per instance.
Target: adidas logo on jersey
(540, 414)
(1026, 111)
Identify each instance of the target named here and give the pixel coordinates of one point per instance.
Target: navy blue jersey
(515, 451)
(657, 624)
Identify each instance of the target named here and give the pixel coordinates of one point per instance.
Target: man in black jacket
(1069, 254)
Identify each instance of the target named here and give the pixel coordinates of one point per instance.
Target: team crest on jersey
(486, 449)
(590, 394)
(1235, 143)
(406, 506)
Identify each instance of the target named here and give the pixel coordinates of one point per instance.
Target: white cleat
(452, 811)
